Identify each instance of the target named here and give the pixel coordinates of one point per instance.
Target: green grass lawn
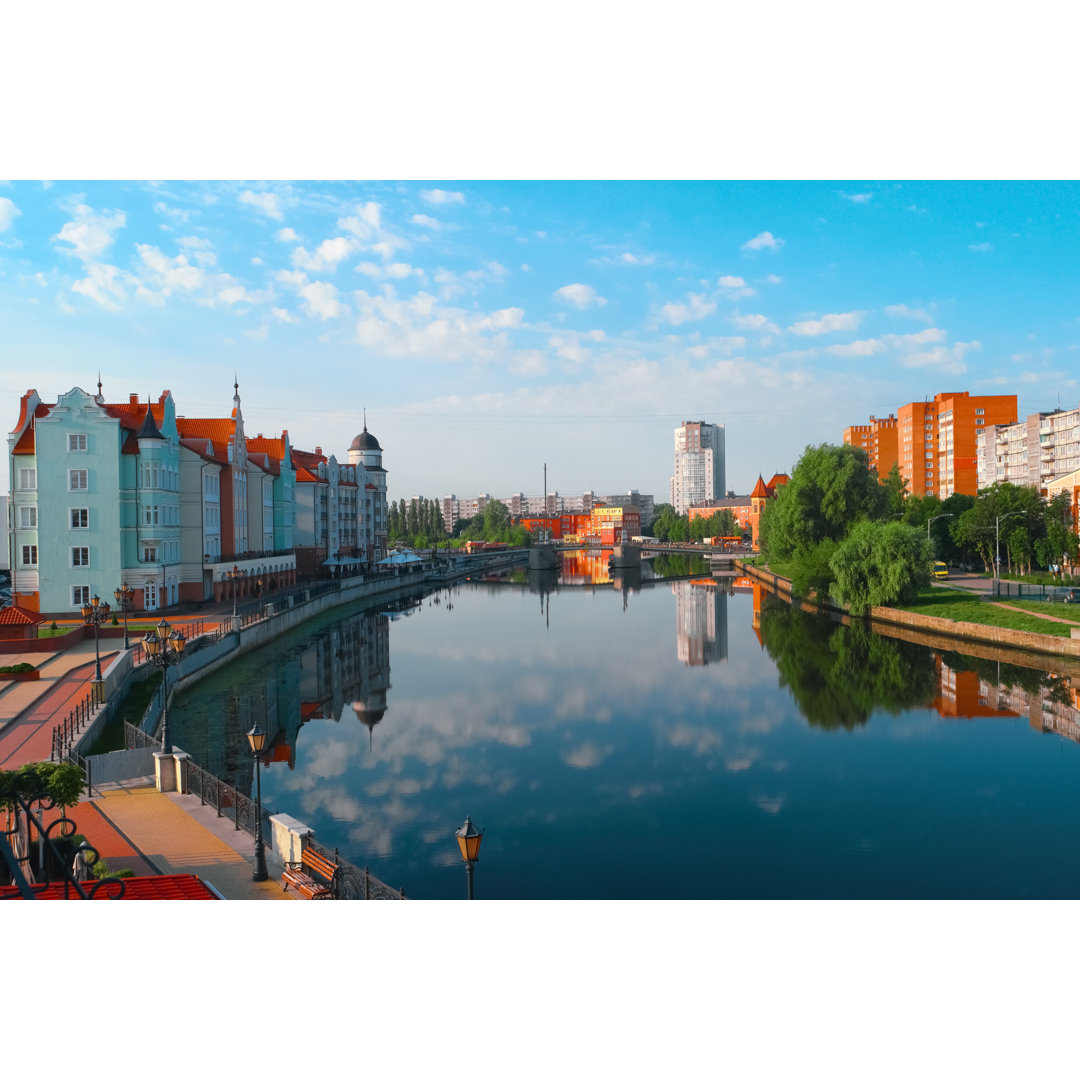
(965, 607)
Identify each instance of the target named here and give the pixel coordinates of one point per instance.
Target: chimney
(133, 399)
(318, 450)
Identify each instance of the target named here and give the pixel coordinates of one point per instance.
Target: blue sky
(489, 327)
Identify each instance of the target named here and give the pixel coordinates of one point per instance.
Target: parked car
(1066, 595)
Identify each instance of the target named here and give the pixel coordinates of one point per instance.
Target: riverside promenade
(132, 825)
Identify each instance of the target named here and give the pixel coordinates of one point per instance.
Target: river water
(674, 740)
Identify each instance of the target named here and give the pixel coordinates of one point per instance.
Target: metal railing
(66, 733)
(229, 802)
(17, 849)
(354, 883)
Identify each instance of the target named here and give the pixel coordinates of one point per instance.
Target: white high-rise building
(699, 464)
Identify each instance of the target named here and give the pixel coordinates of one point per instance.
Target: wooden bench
(314, 876)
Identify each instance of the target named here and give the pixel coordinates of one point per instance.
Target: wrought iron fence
(66, 733)
(229, 802)
(17, 850)
(354, 883)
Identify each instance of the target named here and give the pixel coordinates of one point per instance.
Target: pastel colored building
(1034, 452)
(739, 505)
(699, 472)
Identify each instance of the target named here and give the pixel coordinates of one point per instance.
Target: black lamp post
(468, 838)
(163, 648)
(257, 739)
(233, 575)
(124, 595)
(94, 614)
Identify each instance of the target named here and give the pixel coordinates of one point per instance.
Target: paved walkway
(132, 825)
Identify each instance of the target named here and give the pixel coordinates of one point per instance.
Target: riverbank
(1003, 640)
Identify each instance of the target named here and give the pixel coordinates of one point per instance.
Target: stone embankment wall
(1000, 637)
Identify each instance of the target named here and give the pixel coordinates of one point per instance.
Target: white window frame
(28, 555)
(27, 517)
(80, 595)
(27, 478)
(149, 553)
(78, 479)
(80, 556)
(79, 510)
(74, 441)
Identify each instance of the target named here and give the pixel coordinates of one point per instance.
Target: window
(27, 517)
(150, 515)
(80, 518)
(979, 412)
(76, 442)
(77, 480)
(149, 554)
(29, 555)
(80, 595)
(27, 479)
(80, 556)
(978, 420)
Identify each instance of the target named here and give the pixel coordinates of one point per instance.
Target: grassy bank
(960, 606)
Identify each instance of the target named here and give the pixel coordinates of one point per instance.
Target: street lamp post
(468, 838)
(124, 595)
(163, 648)
(94, 614)
(997, 539)
(233, 575)
(257, 738)
(931, 521)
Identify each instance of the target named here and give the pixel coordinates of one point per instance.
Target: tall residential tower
(699, 464)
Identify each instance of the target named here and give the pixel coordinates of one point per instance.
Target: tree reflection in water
(839, 674)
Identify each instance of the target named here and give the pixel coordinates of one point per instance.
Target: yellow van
(940, 570)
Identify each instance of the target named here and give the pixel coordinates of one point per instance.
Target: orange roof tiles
(13, 615)
(161, 887)
(760, 490)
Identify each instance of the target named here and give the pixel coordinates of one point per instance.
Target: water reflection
(693, 717)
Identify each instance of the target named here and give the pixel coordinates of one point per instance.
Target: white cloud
(763, 240)
(981, 247)
(266, 202)
(438, 197)
(199, 249)
(104, 284)
(827, 324)
(90, 234)
(170, 274)
(325, 257)
(321, 300)
(294, 278)
(773, 279)
(735, 287)
(240, 294)
(754, 322)
(507, 317)
(8, 213)
(863, 197)
(902, 311)
(425, 222)
(172, 212)
(696, 307)
(284, 315)
(286, 235)
(630, 259)
(581, 296)
(947, 359)
(867, 347)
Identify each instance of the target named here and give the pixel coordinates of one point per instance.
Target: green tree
(831, 488)
(1059, 543)
(895, 491)
(880, 563)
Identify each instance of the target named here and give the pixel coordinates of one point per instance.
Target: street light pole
(997, 539)
(94, 614)
(164, 648)
(468, 838)
(257, 740)
(123, 596)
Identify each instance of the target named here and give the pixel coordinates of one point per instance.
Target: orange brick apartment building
(933, 441)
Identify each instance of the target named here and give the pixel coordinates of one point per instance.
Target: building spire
(99, 397)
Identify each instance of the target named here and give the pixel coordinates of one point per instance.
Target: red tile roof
(13, 615)
(760, 490)
(161, 887)
(219, 432)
